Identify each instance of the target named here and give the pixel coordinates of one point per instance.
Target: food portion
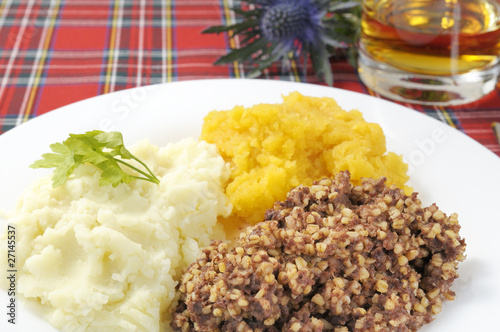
(331, 257)
(104, 258)
(275, 147)
(355, 251)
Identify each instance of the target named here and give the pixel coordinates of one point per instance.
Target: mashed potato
(108, 259)
(275, 147)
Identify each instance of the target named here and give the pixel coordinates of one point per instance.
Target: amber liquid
(432, 37)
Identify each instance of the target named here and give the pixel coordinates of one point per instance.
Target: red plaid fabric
(57, 52)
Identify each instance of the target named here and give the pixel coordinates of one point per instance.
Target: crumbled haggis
(331, 257)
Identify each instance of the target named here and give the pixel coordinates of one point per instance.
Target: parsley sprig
(98, 148)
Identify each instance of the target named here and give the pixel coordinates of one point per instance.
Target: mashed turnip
(108, 259)
(273, 148)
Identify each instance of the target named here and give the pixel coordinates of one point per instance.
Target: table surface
(53, 53)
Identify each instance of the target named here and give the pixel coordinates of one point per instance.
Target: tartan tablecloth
(56, 52)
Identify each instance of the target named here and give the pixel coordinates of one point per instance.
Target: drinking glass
(437, 52)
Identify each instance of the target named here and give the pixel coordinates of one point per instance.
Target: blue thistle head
(282, 30)
(290, 21)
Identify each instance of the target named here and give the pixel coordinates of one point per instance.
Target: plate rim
(72, 106)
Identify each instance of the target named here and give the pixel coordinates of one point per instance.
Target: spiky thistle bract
(272, 31)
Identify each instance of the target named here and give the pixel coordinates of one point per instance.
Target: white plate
(447, 167)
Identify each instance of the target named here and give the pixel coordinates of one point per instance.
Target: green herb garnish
(98, 148)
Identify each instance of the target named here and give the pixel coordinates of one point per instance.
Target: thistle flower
(281, 30)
